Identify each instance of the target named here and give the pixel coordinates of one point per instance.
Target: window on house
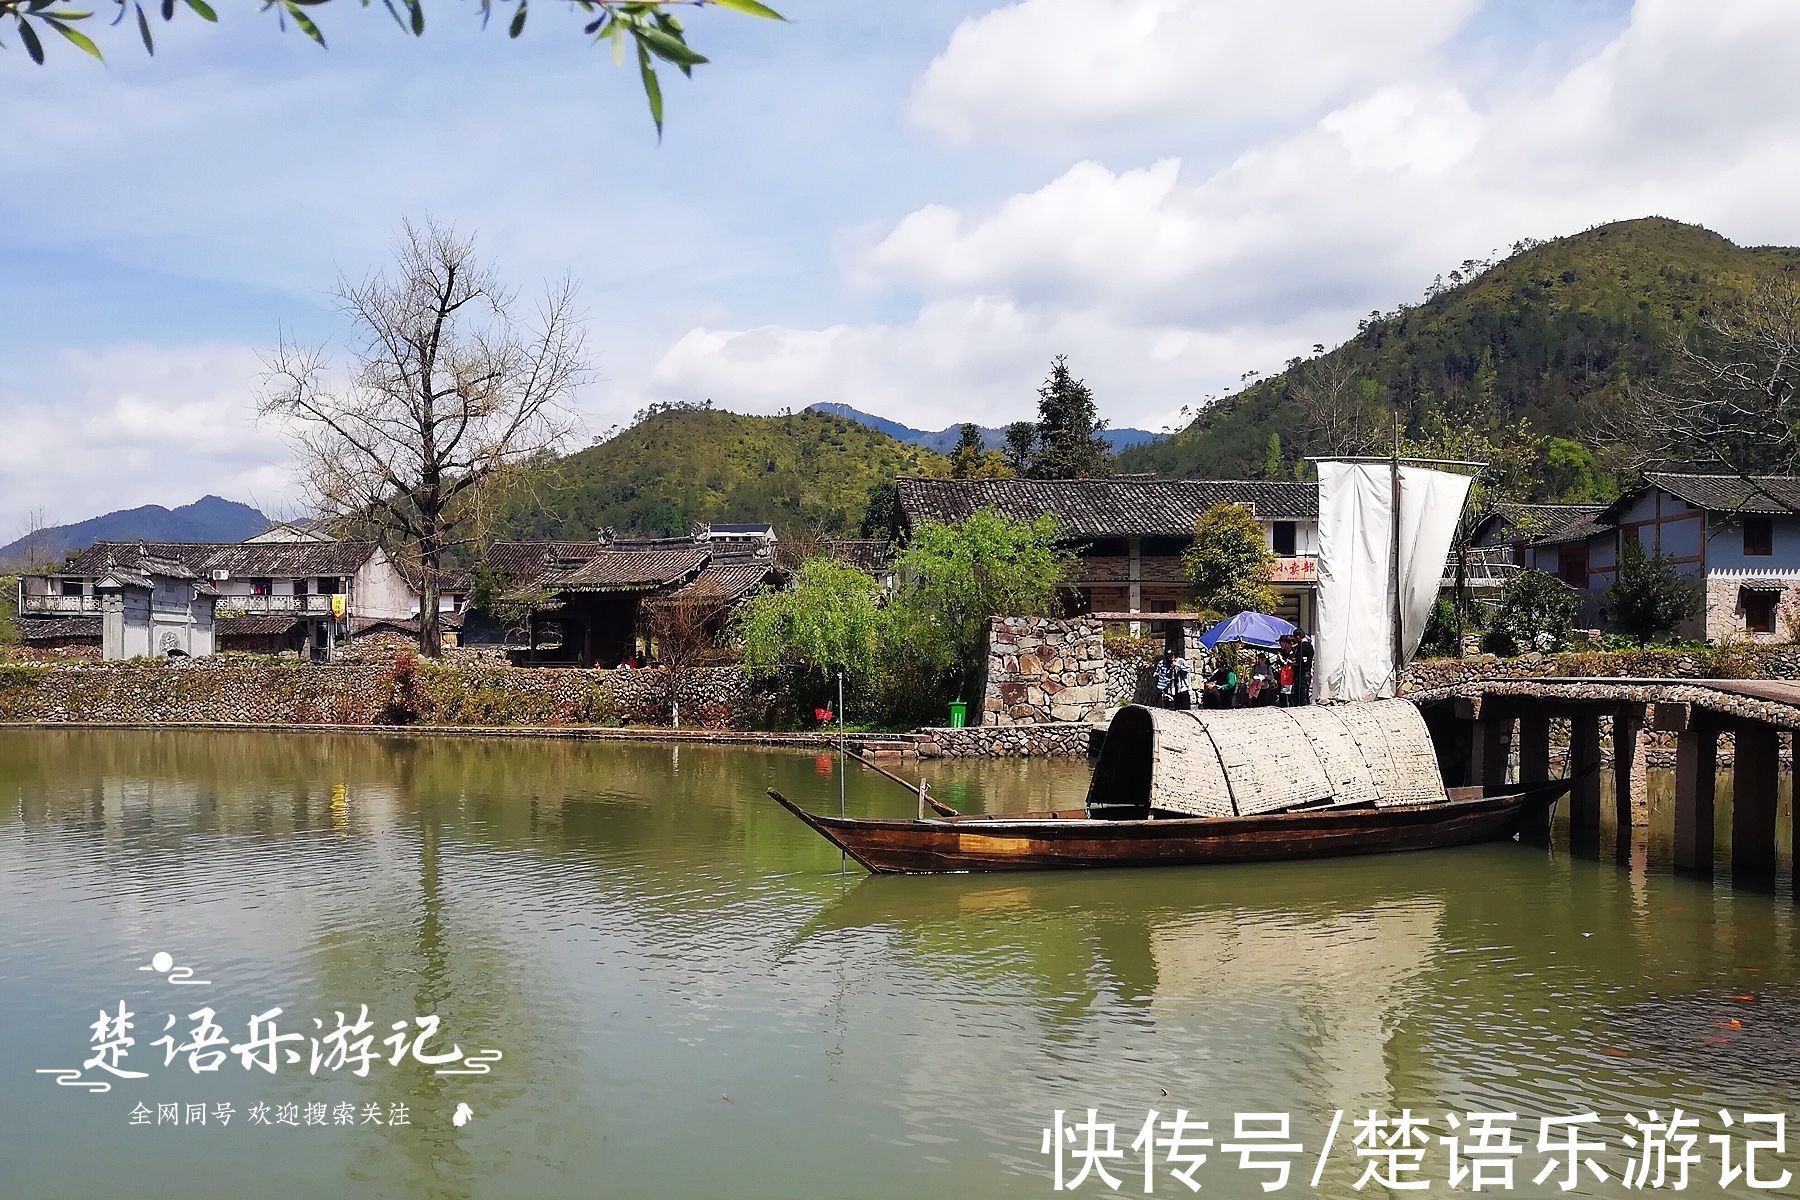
(299, 587)
(1759, 536)
(71, 587)
(262, 587)
(1759, 609)
(329, 586)
(1572, 564)
(1285, 538)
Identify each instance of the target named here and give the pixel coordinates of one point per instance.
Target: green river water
(692, 1000)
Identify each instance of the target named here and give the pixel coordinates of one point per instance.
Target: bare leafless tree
(1732, 402)
(1338, 413)
(37, 550)
(681, 628)
(449, 390)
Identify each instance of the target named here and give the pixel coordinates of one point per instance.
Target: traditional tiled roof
(720, 584)
(1536, 522)
(1759, 494)
(448, 621)
(56, 629)
(1578, 527)
(1117, 507)
(255, 560)
(613, 570)
(520, 561)
(874, 555)
(255, 625)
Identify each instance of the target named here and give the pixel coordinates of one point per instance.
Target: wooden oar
(918, 789)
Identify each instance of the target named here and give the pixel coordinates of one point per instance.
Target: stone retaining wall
(258, 691)
(1129, 681)
(1062, 739)
(1042, 670)
(1739, 660)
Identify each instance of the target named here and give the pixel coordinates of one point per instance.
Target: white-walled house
(1739, 538)
(283, 594)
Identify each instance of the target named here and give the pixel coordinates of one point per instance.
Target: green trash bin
(959, 713)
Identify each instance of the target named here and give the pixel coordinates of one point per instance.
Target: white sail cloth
(1355, 652)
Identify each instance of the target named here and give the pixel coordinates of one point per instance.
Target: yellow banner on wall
(337, 605)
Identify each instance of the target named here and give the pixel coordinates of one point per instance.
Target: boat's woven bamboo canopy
(1240, 762)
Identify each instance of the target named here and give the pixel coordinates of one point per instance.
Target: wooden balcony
(311, 604)
(60, 605)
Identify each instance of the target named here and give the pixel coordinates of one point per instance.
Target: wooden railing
(59, 604)
(276, 604)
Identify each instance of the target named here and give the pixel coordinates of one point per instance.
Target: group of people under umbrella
(1278, 672)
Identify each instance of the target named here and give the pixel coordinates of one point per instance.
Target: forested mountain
(683, 464)
(944, 440)
(208, 519)
(1553, 335)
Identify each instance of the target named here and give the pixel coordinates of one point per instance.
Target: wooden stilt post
(1584, 760)
(1534, 762)
(1493, 744)
(1755, 775)
(1696, 782)
(1631, 784)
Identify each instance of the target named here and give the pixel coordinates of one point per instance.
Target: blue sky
(907, 207)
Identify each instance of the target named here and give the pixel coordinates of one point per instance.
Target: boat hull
(1041, 843)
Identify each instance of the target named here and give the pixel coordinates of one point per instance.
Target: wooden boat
(1074, 838)
(1189, 788)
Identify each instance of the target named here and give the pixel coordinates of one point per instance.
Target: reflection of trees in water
(413, 959)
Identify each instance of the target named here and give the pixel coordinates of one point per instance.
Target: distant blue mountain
(208, 519)
(944, 440)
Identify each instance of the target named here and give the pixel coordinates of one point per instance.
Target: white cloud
(139, 424)
(1050, 69)
(1165, 281)
(974, 359)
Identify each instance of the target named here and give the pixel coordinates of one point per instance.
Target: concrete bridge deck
(1482, 727)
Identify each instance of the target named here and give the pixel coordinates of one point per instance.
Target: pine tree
(967, 456)
(1272, 457)
(1070, 445)
(1021, 442)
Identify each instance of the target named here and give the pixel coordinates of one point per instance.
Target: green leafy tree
(828, 619)
(1021, 443)
(1443, 637)
(957, 578)
(1272, 458)
(1572, 474)
(1069, 441)
(1535, 614)
(9, 625)
(1229, 564)
(971, 459)
(647, 29)
(1650, 599)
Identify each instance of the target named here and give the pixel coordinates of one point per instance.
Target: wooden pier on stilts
(1486, 730)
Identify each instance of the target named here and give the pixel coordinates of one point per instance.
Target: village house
(1738, 538)
(594, 603)
(138, 605)
(293, 591)
(1129, 533)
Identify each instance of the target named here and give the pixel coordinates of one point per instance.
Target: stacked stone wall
(260, 691)
(1042, 670)
(1731, 660)
(1067, 739)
